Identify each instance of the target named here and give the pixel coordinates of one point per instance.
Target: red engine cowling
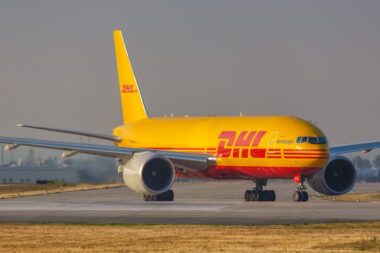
(338, 177)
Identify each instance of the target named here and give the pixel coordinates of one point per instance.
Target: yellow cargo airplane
(153, 151)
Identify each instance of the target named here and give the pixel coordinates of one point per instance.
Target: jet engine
(338, 177)
(149, 173)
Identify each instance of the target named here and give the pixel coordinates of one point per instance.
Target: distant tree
(366, 164)
(361, 164)
(49, 161)
(68, 162)
(376, 162)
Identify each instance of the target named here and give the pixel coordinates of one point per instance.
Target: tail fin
(131, 101)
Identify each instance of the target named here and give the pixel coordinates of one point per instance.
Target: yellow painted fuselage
(244, 147)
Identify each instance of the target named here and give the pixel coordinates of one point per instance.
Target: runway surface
(195, 203)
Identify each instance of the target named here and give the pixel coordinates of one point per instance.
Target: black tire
(165, 196)
(246, 195)
(297, 196)
(169, 195)
(304, 196)
(256, 195)
(145, 197)
(272, 195)
(160, 197)
(267, 195)
(262, 196)
(253, 195)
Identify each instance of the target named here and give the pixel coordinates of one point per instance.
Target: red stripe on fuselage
(244, 172)
(301, 150)
(306, 157)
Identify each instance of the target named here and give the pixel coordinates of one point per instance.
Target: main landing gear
(166, 196)
(301, 194)
(258, 194)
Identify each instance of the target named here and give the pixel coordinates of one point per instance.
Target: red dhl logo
(240, 145)
(128, 88)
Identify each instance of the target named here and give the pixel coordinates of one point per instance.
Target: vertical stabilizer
(131, 101)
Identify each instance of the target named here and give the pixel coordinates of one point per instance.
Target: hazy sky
(319, 60)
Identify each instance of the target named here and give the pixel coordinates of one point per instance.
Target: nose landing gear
(258, 194)
(301, 194)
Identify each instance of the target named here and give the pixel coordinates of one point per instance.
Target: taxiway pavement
(194, 203)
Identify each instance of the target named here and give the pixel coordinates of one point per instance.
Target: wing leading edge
(192, 162)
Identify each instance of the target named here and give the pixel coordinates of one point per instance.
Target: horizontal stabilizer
(87, 134)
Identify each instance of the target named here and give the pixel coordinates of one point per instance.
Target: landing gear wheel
(169, 195)
(271, 195)
(149, 197)
(255, 195)
(300, 196)
(297, 196)
(166, 196)
(258, 194)
(250, 195)
(305, 196)
(247, 196)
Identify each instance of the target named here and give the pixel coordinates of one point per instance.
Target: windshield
(312, 139)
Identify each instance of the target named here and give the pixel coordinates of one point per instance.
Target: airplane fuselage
(245, 147)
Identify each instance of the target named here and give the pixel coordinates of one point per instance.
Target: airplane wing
(81, 133)
(366, 147)
(192, 162)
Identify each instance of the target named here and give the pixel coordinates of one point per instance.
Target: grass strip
(331, 237)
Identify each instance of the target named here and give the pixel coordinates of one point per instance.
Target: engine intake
(149, 173)
(338, 177)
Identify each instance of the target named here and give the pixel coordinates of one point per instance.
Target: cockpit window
(322, 140)
(312, 139)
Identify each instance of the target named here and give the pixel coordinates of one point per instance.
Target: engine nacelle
(338, 177)
(149, 173)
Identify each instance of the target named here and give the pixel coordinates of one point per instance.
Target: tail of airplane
(132, 104)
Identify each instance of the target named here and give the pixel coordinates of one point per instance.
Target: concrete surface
(195, 203)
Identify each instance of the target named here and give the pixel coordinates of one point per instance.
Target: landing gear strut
(301, 194)
(258, 194)
(166, 196)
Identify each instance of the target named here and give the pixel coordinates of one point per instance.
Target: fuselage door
(272, 140)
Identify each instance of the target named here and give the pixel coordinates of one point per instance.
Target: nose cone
(311, 145)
